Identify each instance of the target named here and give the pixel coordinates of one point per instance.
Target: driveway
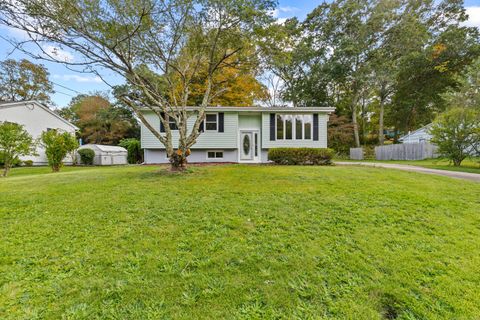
(453, 174)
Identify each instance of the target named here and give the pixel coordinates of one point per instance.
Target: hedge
(86, 156)
(301, 156)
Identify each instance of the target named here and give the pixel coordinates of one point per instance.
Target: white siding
(322, 135)
(208, 139)
(35, 119)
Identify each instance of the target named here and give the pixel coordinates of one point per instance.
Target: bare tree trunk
(354, 120)
(381, 137)
(5, 171)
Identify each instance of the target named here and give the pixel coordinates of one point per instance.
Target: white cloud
(58, 53)
(473, 16)
(77, 78)
(288, 9)
(285, 12)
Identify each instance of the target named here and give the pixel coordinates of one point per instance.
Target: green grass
(468, 165)
(238, 242)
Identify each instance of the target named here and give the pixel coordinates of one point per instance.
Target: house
(242, 134)
(107, 155)
(35, 118)
(417, 136)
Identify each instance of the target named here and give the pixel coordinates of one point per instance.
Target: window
(298, 127)
(215, 155)
(307, 126)
(288, 127)
(279, 127)
(211, 122)
(172, 124)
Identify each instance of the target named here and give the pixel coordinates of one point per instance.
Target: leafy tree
(467, 93)
(57, 146)
(340, 134)
(141, 40)
(134, 149)
(15, 142)
(99, 121)
(23, 80)
(457, 134)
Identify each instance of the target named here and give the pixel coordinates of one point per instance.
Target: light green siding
(250, 121)
(322, 135)
(208, 139)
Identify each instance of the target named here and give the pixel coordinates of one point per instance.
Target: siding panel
(208, 139)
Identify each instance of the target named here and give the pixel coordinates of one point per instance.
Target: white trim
(262, 109)
(215, 151)
(256, 159)
(294, 127)
(216, 121)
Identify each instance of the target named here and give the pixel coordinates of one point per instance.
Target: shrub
(57, 145)
(28, 163)
(15, 141)
(457, 134)
(301, 156)
(134, 150)
(86, 156)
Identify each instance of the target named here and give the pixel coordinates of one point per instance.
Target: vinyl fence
(356, 153)
(406, 151)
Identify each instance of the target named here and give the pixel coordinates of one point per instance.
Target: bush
(134, 150)
(301, 156)
(86, 156)
(28, 163)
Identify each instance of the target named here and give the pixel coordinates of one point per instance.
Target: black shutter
(220, 122)
(272, 126)
(162, 128)
(315, 126)
(202, 126)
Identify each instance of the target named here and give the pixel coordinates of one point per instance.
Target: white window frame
(294, 127)
(216, 121)
(215, 151)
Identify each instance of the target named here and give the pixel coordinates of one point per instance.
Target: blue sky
(68, 83)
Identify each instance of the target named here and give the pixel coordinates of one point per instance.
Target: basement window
(214, 154)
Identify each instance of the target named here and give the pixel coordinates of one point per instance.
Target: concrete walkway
(453, 174)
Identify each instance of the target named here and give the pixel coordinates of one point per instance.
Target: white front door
(249, 146)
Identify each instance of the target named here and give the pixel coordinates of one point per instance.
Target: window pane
(218, 154)
(307, 126)
(211, 154)
(298, 127)
(211, 126)
(279, 127)
(211, 118)
(288, 127)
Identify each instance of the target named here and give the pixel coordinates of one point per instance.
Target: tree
(141, 40)
(134, 149)
(340, 134)
(15, 142)
(23, 80)
(100, 121)
(457, 134)
(57, 145)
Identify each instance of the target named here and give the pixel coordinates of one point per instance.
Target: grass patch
(238, 242)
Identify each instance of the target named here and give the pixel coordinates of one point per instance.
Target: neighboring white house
(107, 155)
(242, 134)
(35, 118)
(417, 136)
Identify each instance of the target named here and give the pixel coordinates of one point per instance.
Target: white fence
(406, 151)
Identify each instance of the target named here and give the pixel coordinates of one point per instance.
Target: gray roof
(103, 148)
(263, 109)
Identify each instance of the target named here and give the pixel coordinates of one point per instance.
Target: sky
(68, 83)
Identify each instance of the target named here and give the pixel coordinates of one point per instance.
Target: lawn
(468, 165)
(238, 242)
